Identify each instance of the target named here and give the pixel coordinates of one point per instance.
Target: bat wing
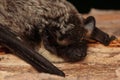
(9, 40)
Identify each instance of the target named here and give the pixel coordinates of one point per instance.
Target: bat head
(75, 29)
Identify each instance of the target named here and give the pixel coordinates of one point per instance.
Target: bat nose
(9, 40)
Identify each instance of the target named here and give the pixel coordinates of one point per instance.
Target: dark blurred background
(84, 6)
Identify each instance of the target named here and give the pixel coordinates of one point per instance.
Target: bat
(24, 24)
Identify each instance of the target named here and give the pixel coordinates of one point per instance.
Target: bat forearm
(101, 36)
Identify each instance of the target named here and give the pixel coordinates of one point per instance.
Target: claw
(9, 40)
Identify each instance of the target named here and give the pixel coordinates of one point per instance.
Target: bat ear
(89, 25)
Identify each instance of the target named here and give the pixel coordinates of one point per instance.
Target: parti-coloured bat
(24, 24)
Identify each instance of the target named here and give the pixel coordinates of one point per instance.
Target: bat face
(70, 53)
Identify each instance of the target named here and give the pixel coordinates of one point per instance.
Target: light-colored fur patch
(51, 57)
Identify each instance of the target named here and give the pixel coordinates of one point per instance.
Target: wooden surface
(101, 63)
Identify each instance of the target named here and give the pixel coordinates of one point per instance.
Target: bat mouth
(9, 40)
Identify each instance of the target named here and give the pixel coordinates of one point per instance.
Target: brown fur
(22, 16)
